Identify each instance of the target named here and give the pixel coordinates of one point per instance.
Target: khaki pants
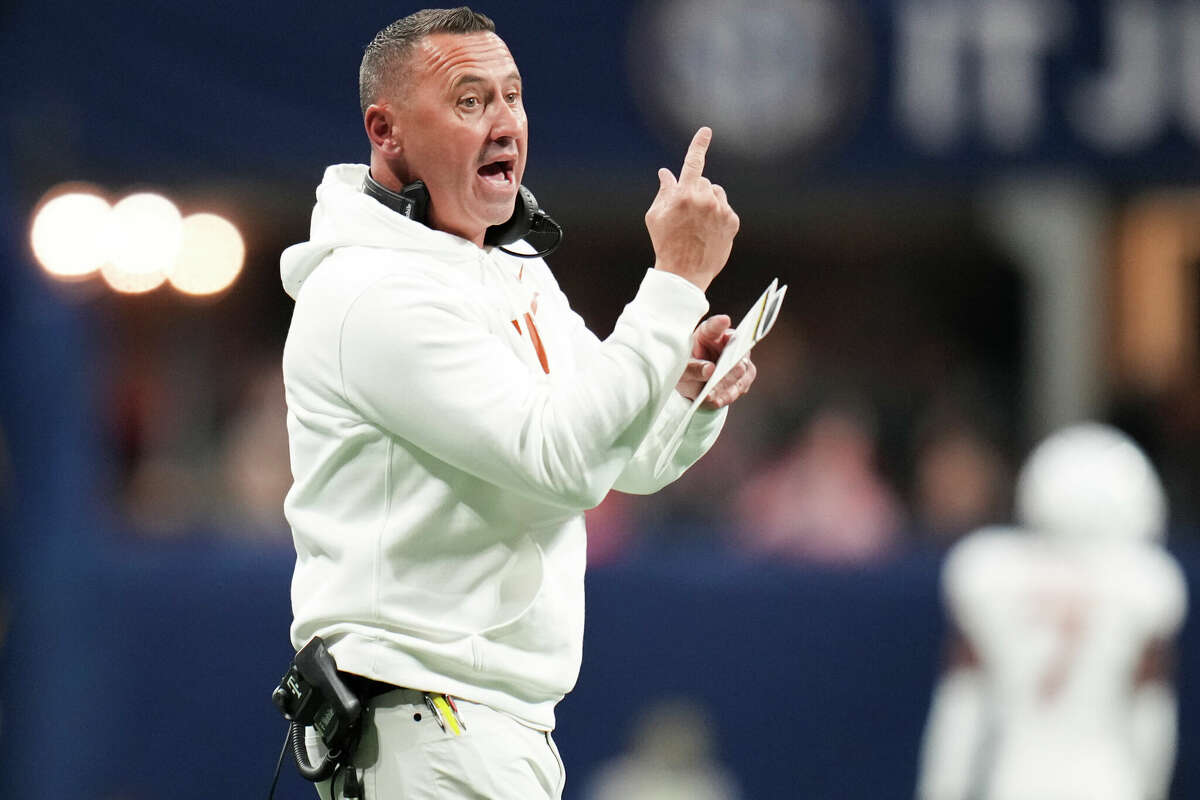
(405, 754)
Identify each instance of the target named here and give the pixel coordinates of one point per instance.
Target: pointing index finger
(693, 162)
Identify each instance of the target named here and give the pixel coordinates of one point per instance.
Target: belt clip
(445, 712)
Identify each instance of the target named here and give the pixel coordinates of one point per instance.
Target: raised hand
(690, 221)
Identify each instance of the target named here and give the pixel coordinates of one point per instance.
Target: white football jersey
(1059, 630)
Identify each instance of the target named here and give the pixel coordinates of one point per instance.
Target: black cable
(279, 764)
(541, 225)
(323, 769)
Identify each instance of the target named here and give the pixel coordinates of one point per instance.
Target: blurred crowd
(808, 473)
(870, 431)
(802, 472)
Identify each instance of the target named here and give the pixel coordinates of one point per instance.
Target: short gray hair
(386, 58)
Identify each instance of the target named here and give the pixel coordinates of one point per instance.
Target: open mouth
(498, 172)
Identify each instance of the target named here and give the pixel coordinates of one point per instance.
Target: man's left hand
(708, 342)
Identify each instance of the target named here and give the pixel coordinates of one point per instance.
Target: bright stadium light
(145, 232)
(68, 234)
(131, 282)
(210, 257)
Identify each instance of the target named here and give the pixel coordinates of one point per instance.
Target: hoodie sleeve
(638, 476)
(418, 362)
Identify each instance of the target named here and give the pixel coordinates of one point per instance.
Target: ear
(380, 122)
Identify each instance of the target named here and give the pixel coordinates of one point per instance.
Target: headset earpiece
(519, 224)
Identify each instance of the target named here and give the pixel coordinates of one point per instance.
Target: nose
(507, 122)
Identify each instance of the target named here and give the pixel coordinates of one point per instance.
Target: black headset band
(412, 201)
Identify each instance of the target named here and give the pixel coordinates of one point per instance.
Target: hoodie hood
(346, 217)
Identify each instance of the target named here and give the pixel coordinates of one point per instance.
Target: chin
(498, 214)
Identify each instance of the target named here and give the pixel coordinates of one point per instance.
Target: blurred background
(988, 214)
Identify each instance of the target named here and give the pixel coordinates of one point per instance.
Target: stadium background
(974, 250)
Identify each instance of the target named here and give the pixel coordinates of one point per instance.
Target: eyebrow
(465, 79)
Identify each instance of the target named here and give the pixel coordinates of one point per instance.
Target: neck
(395, 177)
(387, 175)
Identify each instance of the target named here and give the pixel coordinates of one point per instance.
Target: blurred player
(1058, 685)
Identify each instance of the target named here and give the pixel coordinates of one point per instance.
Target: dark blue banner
(878, 87)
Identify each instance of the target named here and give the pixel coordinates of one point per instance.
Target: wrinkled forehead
(443, 58)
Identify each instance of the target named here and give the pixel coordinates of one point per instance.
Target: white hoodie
(450, 418)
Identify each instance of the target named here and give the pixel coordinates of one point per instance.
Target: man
(450, 418)
(1059, 687)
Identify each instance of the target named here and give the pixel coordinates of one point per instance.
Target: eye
(512, 98)
(469, 102)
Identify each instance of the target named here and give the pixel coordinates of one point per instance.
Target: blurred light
(145, 231)
(137, 244)
(211, 255)
(68, 234)
(131, 282)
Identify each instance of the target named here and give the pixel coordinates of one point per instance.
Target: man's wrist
(682, 273)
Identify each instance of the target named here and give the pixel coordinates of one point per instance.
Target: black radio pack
(528, 220)
(313, 693)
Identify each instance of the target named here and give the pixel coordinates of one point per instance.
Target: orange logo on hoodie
(534, 336)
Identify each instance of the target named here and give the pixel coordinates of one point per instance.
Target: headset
(528, 219)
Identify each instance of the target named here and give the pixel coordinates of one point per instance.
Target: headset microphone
(528, 220)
